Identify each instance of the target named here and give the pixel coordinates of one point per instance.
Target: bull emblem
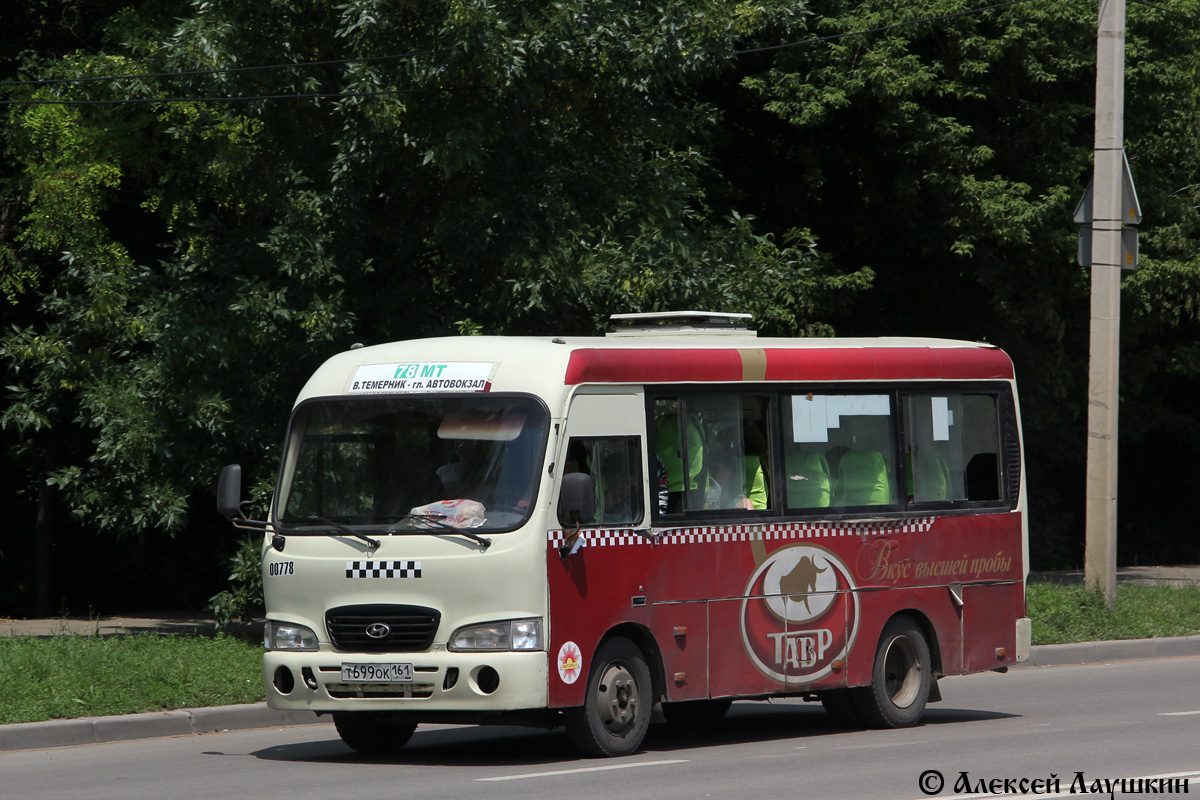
(798, 584)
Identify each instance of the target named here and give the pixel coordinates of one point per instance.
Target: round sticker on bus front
(570, 662)
(800, 614)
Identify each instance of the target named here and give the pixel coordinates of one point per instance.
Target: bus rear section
(845, 525)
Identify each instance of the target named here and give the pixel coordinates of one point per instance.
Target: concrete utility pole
(1100, 557)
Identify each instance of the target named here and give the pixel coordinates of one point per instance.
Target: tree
(947, 154)
(501, 166)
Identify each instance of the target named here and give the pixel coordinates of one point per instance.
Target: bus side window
(951, 441)
(615, 465)
(838, 451)
(714, 451)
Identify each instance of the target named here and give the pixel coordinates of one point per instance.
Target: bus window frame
(293, 438)
(1006, 421)
(641, 478)
(768, 394)
(1009, 453)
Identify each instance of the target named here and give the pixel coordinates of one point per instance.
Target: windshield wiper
(346, 530)
(433, 519)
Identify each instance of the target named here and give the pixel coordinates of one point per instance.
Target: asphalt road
(1131, 719)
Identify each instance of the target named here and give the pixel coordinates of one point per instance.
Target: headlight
(286, 636)
(515, 634)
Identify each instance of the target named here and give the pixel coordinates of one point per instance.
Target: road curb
(123, 727)
(1050, 655)
(95, 730)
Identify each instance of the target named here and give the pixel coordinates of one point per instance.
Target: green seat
(935, 477)
(862, 480)
(756, 482)
(807, 480)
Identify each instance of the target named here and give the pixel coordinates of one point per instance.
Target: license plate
(377, 673)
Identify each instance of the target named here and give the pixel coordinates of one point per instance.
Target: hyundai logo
(377, 630)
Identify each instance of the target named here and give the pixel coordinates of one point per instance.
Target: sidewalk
(90, 730)
(1180, 575)
(181, 623)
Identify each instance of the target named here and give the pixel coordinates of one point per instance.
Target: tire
(900, 678)
(692, 713)
(617, 705)
(839, 705)
(373, 732)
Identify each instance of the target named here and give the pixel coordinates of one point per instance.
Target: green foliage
(948, 156)
(191, 261)
(1064, 614)
(243, 600)
(174, 270)
(83, 676)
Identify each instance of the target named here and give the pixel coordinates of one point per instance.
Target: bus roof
(548, 366)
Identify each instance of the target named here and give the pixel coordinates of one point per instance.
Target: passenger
(466, 478)
(662, 485)
(738, 478)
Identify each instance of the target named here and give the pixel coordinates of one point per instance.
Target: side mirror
(229, 492)
(576, 500)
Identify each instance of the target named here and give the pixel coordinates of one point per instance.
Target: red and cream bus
(572, 531)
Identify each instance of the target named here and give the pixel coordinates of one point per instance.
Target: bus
(579, 532)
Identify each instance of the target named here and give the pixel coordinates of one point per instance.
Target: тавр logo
(800, 614)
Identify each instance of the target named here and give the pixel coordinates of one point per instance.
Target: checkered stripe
(612, 538)
(383, 569)
(598, 537)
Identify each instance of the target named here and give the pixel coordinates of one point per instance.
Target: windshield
(403, 462)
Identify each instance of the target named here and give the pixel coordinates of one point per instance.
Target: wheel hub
(618, 698)
(902, 672)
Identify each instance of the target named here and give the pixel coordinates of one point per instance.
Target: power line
(893, 26)
(1167, 10)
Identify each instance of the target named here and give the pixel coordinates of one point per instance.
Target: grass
(1063, 614)
(62, 677)
(68, 676)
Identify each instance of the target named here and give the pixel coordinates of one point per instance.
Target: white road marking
(1179, 713)
(584, 769)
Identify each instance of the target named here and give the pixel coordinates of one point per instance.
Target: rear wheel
(374, 732)
(616, 708)
(900, 678)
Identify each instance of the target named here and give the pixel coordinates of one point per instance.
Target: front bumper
(443, 681)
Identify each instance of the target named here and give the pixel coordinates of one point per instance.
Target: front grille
(411, 691)
(410, 628)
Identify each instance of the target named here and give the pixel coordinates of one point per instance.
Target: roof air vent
(678, 322)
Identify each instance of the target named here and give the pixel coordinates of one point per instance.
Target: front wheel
(374, 732)
(900, 678)
(616, 708)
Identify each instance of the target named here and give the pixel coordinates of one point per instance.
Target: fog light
(487, 680)
(284, 681)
